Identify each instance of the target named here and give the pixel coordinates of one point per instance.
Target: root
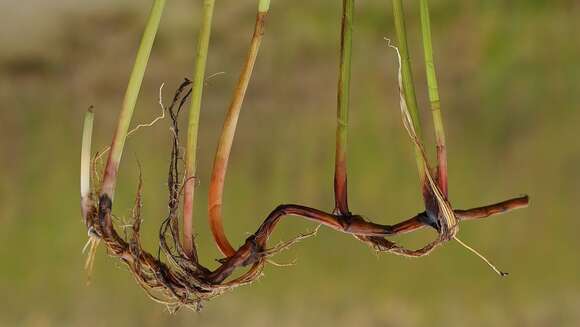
(139, 126)
(282, 246)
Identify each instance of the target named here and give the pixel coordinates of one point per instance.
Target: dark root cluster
(171, 277)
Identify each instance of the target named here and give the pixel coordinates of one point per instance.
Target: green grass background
(510, 87)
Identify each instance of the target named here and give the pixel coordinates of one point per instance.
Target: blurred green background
(510, 83)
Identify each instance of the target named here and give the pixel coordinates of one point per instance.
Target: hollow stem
(408, 85)
(86, 163)
(343, 101)
(131, 94)
(434, 100)
(193, 125)
(226, 140)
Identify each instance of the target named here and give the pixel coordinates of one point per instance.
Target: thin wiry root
(282, 246)
(139, 126)
(92, 245)
(281, 265)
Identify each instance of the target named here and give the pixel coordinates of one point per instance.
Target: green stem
(263, 5)
(193, 124)
(131, 94)
(343, 101)
(86, 163)
(434, 97)
(408, 86)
